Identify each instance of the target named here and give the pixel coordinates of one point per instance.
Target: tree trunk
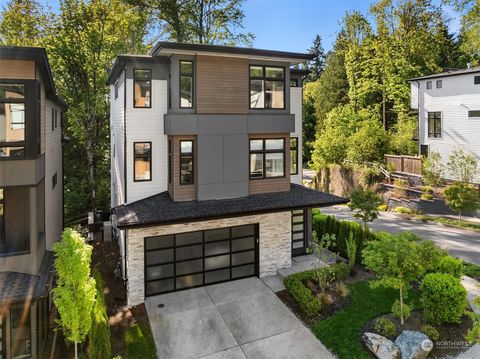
(401, 305)
(76, 349)
(91, 168)
(384, 111)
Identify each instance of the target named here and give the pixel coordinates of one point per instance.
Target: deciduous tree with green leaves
(462, 165)
(462, 197)
(74, 293)
(365, 204)
(433, 169)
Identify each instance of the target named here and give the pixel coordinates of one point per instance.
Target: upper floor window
(186, 84)
(142, 158)
(267, 87)
(439, 84)
(476, 80)
(186, 162)
(54, 180)
(435, 124)
(294, 155)
(474, 113)
(142, 88)
(267, 158)
(429, 85)
(12, 119)
(116, 89)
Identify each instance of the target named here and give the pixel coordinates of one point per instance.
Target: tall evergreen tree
(318, 63)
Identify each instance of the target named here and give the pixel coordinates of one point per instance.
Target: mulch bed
(451, 341)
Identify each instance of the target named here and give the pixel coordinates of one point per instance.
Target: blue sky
(291, 25)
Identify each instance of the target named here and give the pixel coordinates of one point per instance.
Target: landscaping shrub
(472, 270)
(462, 197)
(401, 186)
(385, 327)
(307, 302)
(443, 298)
(427, 193)
(351, 245)
(396, 310)
(99, 337)
(324, 276)
(430, 255)
(430, 332)
(342, 290)
(403, 210)
(341, 271)
(450, 265)
(383, 207)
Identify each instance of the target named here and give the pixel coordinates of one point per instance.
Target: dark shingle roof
(160, 209)
(18, 287)
(452, 72)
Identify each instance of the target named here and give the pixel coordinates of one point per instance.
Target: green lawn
(341, 332)
(459, 223)
(139, 342)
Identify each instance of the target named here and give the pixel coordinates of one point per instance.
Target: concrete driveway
(234, 320)
(458, 242)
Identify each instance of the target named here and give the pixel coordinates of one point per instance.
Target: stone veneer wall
(274, 251)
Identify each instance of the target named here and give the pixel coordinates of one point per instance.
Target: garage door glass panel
(160, 286)
(217, 276)
(243, 244)
(243, 258)
(157, 257)
(217, 234)
(189, 252)
(159, 242)
(158, 272)
(189, 267)
(215, 248)
(243, 271)
(188, 238)
(217, 262)
(189, 281)
(243, 231)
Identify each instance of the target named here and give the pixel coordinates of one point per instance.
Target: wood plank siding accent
(268, 185)
(177, 191)
(17, 69)
(222, 85)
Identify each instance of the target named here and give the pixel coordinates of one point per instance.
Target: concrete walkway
(459, 243)
(234, 320)
(473, 291)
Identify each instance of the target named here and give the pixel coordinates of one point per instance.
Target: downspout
(125, 167)
(418, 107)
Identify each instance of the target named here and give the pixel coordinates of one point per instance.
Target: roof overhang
(165, 48)
(123, 59)
(457, 72)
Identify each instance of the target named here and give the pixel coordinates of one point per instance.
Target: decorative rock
(382, 347)
(414, 345)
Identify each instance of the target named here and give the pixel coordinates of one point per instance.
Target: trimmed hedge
(326, 224)
(450, 265)
(307, 302)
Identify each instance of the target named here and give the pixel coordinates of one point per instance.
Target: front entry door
(299, 242)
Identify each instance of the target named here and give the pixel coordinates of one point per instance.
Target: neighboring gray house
(448, 105)
(31, 197)
(206, 165)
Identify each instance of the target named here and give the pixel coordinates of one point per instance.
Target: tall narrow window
(53, 119)
(267, 87)
(186, 162)
(429, 85)
(439, 84)
(476, 80)
(293, 155)
(186, 84)
(116, 89)
(170, 161)
(54, 180)
(12, 120)
(142, 158)
(142, 88)
(267, 158)
(435, 124)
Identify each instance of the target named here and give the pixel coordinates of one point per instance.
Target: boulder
(382, 347)
(414, 345)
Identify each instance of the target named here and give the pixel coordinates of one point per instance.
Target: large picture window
(267, 158)
(186, 162)
(142, 88)
(435, 124)
(142, 158)
(12, 120)
(267, 87)
(186, 84)
(293, 155)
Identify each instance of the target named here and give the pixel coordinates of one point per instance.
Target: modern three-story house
(31, 197)
(448, 105)
(206, 146)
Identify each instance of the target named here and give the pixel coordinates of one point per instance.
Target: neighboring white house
(448, 105)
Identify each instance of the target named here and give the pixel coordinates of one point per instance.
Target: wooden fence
(405, 164)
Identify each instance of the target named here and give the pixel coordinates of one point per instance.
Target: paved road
(458, 242)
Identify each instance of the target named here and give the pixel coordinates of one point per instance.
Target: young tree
(433, 169)
(365, 204)
(461, 198)
(318, 63)
(74, 294)
(396, 261)
(462, 165)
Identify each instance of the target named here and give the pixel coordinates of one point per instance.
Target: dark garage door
(186, 260)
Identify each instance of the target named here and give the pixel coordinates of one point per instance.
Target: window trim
(438, 82)
(432, 134)
(133, 88)
(429, 83)
(263, 151)
(474, 116)
(189, 154)
(264, 78)
(180, 74)
(296, 156)
(476, 80)
(142, 156)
